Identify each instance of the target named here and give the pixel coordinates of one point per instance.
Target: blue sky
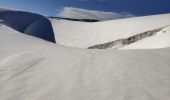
(55, 7)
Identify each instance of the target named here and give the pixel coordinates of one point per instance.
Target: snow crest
(29, 23)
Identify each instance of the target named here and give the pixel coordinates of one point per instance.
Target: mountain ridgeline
(71, 19)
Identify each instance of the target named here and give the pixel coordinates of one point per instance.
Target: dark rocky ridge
(123, 42)
(71, 19)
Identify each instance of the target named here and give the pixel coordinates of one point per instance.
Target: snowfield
(84, 34)
(32, 68)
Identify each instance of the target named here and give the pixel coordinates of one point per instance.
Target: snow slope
(161, 40)
(161, 35)
(28, 23)
(34, 69)
(84, 34)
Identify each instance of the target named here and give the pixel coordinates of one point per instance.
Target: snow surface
(34, 69)
(84, 34)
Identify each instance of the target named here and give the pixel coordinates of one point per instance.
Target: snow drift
(28, 23)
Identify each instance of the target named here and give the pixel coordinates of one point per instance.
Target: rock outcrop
(123, 42)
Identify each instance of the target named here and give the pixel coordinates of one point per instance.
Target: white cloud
(78, 13)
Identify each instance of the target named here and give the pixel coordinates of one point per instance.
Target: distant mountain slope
(86, 34)
(28, 23)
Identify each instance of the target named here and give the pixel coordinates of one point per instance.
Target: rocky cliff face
(126, 41)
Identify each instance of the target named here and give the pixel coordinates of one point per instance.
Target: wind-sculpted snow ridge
(123, 42)
(28, 23)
